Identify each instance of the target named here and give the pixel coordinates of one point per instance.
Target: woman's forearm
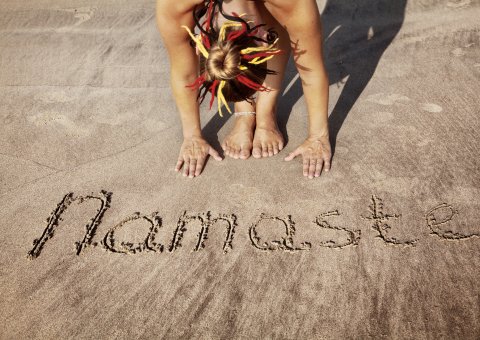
(183, 63)
(314, 78)
(302, 21)
(187, 105)
(172, 15)
(316, 96)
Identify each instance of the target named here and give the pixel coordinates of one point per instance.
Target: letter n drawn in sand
(53, 221)
(206, 223)
(440, 217)
(148, 244)
(353, 237)
(286, 242)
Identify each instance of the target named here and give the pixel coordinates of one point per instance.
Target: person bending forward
(298, 28)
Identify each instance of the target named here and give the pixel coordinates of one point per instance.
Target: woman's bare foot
(268, 140)
(239, 142)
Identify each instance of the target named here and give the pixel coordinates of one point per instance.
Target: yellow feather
(259, 48)
(198, 42)
(257, 61)
(225, 26)
(221, 98)
(219, 101)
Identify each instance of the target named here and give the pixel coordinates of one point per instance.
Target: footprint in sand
(384, 116)
(458, 52)
(432, 108)
(53, 97)
(458, 3)
(58, 120)
(154, 125)
(387, 100)
(82, 14)
(425, 141)
(391, 99)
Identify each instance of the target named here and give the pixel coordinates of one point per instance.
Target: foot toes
(236, 154)
(231, 151)
(270, 150)
(244, 152)
(264, 150)
(257, 151)
(275, 149)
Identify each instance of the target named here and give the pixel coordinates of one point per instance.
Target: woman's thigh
(301, 19)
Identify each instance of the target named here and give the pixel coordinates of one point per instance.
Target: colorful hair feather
(249, 56)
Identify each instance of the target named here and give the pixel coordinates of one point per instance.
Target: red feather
(212, 90)
(197, 83)
(251, 84)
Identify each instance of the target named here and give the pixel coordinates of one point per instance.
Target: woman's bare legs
(239, 142)
(268, 139)
(301, 19)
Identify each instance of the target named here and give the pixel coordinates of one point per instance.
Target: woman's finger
(293, 154)
(179, 164)
(311, 168)
(212, 152)
(186, 166)
(318, 167)
(192, 167)
(306, 165)
(200, 164)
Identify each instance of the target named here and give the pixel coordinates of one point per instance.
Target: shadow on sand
(356, 34)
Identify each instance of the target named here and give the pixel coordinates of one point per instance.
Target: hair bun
(223, 62)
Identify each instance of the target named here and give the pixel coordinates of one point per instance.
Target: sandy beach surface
(101, 239)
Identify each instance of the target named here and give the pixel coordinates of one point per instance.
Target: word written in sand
(439, 220)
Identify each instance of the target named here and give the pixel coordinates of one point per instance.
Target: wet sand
(101, 238)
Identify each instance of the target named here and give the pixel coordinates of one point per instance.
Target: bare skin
(239, 142)
(258, 135)
(299, 27)
(268, 140)
(301, 19)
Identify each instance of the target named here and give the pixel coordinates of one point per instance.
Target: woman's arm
(183, 63)
(301, 18)
(171, 15)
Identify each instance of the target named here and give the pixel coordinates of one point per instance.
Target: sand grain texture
(384, 246)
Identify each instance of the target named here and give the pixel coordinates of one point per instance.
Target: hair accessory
(249, 56)
(198, 42)
(221, 98)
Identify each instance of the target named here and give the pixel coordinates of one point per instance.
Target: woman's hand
(193, 154)
(316, 152)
